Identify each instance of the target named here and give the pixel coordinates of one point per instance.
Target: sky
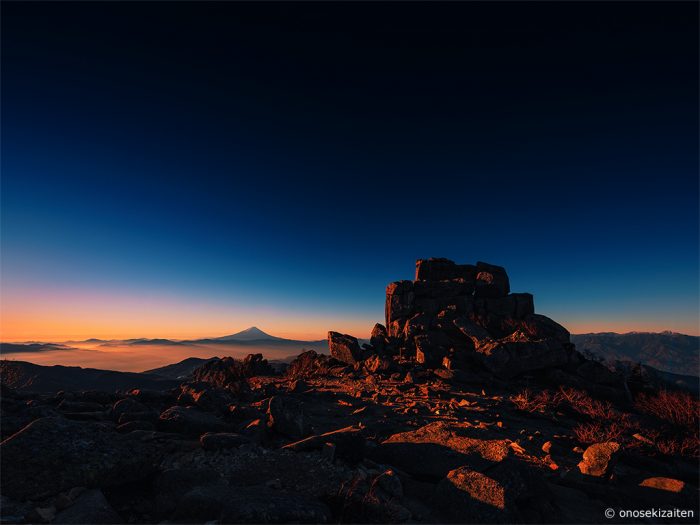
(184, 170)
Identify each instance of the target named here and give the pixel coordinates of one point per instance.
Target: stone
(517, 354)
(440, 269)
(126, 406)
(90, 507)
(190, 420)
(205, 396)
(222, 440)
(431, 348)
(229, 372)
(349, 443)
(491, 281)
(344, 348)
(475, 333)
(287, 416)
(378, 337)
(309, 364)
(661, 483)
(399, 305)
(434, 449)
(599, 459)
(468, 495)
(376, 364)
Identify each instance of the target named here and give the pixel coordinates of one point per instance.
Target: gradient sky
(182, 170)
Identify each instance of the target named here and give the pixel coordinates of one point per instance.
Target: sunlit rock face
(465, 312)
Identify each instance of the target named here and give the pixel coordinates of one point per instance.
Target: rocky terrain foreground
(466, 407)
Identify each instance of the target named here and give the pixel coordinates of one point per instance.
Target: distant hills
(11, 348)
(180, 370)
(666, 351)
(36, 378)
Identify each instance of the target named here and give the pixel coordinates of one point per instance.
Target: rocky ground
(444, 417)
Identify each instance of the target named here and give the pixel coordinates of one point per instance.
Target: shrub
(598, 432)
(584, 404)
(534, 402)
(677, 408)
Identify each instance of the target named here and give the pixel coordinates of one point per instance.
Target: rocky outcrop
(227, 371)
(466, 313)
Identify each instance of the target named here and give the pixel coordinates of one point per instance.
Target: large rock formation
(466, 314)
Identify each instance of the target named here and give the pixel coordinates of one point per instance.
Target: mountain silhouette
(249, 334)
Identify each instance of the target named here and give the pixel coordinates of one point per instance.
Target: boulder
(431, 348)
(309, 364)
(191, 421)
(222, 440)
(599, 459)
(491, 281)
(205, 396)
(440, 269)
(399, 305)
(661, 483)
(128, 405)
(434, 449)
(378, 337)
(344, 348)
(349, 443)
(466, 493)
(287, 416)
(517, 354)
(90, 507)
(229, 372)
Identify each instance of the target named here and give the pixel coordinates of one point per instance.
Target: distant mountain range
(666, 351)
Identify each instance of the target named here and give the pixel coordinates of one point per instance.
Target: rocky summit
(465, 406)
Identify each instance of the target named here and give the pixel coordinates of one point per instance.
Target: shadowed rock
(344, 348)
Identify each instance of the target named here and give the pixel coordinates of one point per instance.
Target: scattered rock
(599, 459)
(661, 483)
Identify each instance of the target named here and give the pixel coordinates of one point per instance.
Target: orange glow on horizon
(63, 315)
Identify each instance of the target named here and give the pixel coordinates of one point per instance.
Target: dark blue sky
(288, 160)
